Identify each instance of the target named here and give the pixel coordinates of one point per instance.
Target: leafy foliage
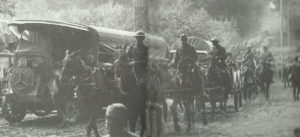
(7, 8)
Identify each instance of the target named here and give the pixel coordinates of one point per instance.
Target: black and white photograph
(149, 68)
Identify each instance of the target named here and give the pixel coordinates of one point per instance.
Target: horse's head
(121, 63)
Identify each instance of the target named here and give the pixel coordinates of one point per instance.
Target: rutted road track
(277, 118)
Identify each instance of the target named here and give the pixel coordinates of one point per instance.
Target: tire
(12, 111)
(73, 111)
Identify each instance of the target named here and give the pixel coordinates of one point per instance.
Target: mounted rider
(249, 64)
(184, 60)
(267, 59)
(218, 61)
(138, 55)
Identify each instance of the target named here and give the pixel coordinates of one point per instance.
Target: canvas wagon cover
(201, 46)
(112, 38)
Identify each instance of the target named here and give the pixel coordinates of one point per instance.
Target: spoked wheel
(12, 111)
(73, 110)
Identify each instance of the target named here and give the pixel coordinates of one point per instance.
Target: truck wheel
(12, 111)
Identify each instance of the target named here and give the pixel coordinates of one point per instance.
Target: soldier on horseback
(138, 55)
(185, 63)
(218, 61)
(248, 71)
(184, 60)
(267, 58)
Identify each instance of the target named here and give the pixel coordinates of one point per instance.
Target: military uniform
(249, 59)
(267, 57)
(184, 60)
(219, 54)
(218, 61)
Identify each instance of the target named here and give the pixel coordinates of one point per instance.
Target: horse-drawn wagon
(36, 75)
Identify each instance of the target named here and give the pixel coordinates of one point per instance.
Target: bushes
(174, 17)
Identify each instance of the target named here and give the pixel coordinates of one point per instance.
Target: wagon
(203, 48)
(38, 59)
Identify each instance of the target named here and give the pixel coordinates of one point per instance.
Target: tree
(7, 8)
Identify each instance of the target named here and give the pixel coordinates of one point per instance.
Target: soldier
(184, 60)
(138, 55)
(248, 59)
(218, 52)
(249, 63)
(219, 57)
(267, 58)
(116, 121)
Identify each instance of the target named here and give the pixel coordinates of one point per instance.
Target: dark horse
(248, 76)
(136, 96)
(295, 79)
(264, 77)
(95, 88)
(186, 90)
(218, 84)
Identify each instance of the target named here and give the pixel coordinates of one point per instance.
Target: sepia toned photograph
(149, 68)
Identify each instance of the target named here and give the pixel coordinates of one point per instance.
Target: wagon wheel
(72, 110)
(12, 111)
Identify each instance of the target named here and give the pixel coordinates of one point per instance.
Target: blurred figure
(297, 132)
(267, 59)
(116, 121)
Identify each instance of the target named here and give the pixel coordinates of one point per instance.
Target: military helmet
(140, 34)
(214, 39)
(183, 37)
(116, 110)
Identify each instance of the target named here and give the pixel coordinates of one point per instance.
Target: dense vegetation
(231, 21)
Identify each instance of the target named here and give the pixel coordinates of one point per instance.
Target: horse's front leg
(188, 104)
(92, 125)
(213, 107)
(174, 114)
(295, 93)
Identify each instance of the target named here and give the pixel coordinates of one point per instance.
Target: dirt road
(277, 118)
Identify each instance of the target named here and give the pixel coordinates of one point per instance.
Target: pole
(281, 38)
(288, 25)
(133, 17)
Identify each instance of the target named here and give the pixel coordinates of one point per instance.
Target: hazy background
(236, 22)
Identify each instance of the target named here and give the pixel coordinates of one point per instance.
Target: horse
(248, 76)
(135, 100)
(295, 80)
(95, 87)
(217, 84)
(264, 77)
(286, 76)
(186, 91)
